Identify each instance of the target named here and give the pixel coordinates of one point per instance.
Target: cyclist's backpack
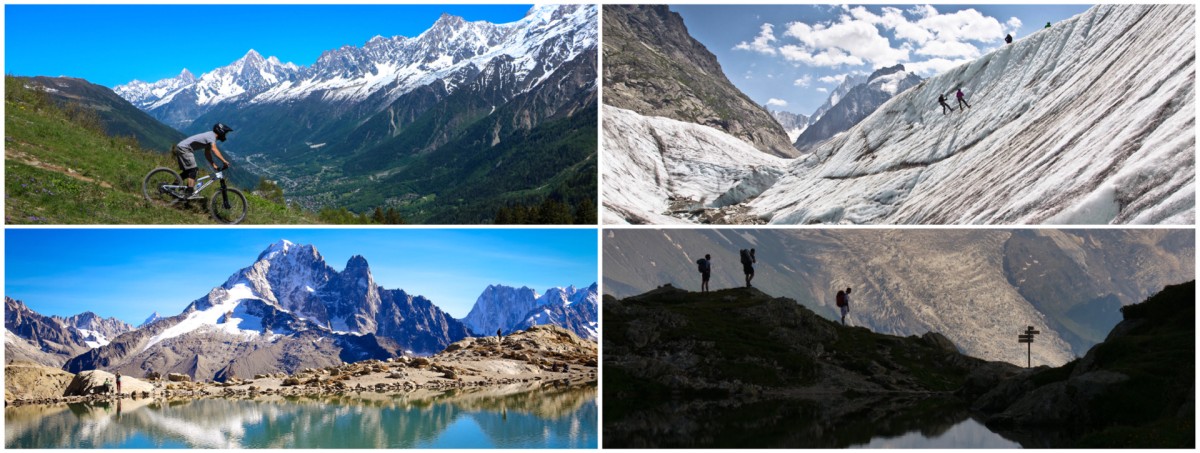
(841, 298)
(700, 265)
(745, 256)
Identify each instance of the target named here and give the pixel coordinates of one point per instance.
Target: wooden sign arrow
(1032, 332)
(1024, 340)
(1025, 337)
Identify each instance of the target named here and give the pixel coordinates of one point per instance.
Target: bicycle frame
(203, 183)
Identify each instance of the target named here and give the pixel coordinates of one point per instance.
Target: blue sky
(129, 273)
(115, 44)
(790, 56)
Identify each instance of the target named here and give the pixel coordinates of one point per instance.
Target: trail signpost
(1027, 338)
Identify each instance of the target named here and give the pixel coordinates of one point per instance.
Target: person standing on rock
(843, 304)
(704, 265)
(748, 261)
(118, 383)
(499, 337)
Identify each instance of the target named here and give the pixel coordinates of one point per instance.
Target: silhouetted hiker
(1008, 38)
(705, 268)
(843, 305)
(1047, 25)
(962, 100)
(118, 382)
(499, 337)
(748, 261)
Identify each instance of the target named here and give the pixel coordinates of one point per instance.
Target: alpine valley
(286, 312)
(1091, 121)
(445, 127)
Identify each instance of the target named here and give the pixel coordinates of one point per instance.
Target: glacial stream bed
(498, 417)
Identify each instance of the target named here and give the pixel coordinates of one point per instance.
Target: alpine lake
(516, 416)
(893, 421)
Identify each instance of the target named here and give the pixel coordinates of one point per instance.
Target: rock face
(859, 102)
(793, 123)
(652, 66)
(1141, 378)
(32, 381)
(47, 335)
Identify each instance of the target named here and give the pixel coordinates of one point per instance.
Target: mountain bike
(164, 185)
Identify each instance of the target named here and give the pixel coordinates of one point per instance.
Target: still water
(508, 417)
(831, 422)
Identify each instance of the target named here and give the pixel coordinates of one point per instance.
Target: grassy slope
(58, 172)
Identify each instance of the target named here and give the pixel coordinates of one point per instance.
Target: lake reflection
(508, 417)
(829, 421)
(967, 434)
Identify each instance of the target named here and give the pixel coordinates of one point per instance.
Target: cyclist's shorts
(187, 160)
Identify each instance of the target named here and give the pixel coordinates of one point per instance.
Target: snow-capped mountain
(94, 330)
(977, 287)
(852, 80)
(1070, 125)
(858, 102)
(383, 69)
(287, 310)
(150, 319)
(398, 119)
(510, 309)
(570, 308)
(793, 123)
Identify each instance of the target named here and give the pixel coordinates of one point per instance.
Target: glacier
(1091, 121)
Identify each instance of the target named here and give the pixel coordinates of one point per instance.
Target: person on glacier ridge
(945, 106)
(962, 100)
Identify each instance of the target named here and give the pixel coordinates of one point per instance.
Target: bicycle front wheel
(155, 186)
(235, 213)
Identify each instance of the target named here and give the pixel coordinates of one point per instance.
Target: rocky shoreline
(543, 354)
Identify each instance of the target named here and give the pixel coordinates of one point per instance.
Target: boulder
(176, 377)
(93, 382)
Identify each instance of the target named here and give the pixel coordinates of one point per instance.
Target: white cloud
(833, 78)
(803, 82)
(1014, 24)
(823, 89)
(933, 66)
(777, 102)
(850, 42)
(762, 42)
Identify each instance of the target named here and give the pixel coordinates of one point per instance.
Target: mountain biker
(187, 161)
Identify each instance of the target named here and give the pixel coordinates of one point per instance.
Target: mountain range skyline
(138, 277)
(145, 30)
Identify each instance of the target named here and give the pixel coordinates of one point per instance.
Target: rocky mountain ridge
(654, 67)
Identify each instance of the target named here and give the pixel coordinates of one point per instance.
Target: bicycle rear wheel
(237, 207)
(153, 186)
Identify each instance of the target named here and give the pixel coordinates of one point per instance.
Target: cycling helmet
(221, 130)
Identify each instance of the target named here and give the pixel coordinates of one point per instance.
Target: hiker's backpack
(841, 298)
(700, 265)
(745, 256)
